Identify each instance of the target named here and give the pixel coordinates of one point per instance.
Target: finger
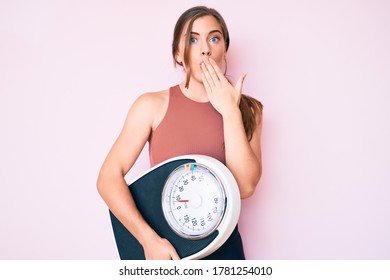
(206, 84)
(174, 255)
(207, 76)
(216, 68)
(240, 83)
(211, 70)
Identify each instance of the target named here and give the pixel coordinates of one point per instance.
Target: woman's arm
(243, 158)
(111, 183)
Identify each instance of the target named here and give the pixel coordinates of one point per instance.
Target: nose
(205, 48)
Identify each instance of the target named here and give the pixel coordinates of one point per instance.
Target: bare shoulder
(151, 106)
(153, 99)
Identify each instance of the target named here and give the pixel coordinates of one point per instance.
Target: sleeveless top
(188, 127)
(191, 127)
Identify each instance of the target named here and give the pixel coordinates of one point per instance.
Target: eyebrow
(212, 31)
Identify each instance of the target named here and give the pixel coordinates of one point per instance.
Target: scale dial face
(193, 201)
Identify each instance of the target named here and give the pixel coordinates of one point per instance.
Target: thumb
(240, 82)
(174, 255)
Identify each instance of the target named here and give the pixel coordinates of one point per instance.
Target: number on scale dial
(193, 201)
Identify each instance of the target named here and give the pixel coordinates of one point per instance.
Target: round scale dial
(193, 201)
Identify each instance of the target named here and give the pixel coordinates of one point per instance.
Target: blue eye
(214, 39)
(193, 40)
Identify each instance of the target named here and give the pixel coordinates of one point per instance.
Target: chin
(197, 76)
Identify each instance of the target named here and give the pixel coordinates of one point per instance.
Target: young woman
(225, 125)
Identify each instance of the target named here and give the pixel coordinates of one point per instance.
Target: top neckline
(190, 99)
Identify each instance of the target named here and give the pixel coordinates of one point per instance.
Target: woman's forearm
(115, 192)
(241, 159)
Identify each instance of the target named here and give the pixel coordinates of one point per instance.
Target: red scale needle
(183, 200)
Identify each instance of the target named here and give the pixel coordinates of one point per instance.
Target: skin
(243, 158)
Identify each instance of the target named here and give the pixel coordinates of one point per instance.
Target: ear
(179, 59)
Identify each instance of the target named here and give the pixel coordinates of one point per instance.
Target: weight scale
(192, 200)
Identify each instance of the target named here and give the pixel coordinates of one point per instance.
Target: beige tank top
(188, 127)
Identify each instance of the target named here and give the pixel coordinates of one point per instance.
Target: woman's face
(206, 41)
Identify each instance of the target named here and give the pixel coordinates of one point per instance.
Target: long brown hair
(251, 109)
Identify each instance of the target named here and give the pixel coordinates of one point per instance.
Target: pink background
(69, 70)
